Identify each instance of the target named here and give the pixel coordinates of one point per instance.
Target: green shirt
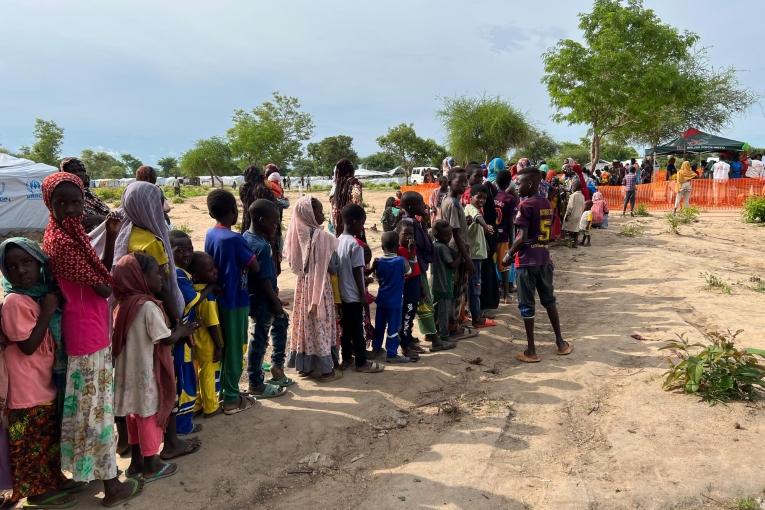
(442, 283)
(475, 234)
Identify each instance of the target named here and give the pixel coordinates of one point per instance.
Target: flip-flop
(49, 502)
(567, 350)
(333, 376)
(443, 346)
(191, 447)
(137, 488)
(284, 381)
(521, 356)
(371, 367)
(269, 391)
(165, 471)
(487, 323)
(245, 402)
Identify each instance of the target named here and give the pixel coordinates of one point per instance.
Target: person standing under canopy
(346, 190)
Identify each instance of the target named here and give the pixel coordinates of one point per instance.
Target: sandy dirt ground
(473, 428)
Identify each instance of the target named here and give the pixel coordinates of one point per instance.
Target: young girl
(29, 312)
(143, 372)
(599, 211)
(87, 426)
(309, 251)
(390, 215)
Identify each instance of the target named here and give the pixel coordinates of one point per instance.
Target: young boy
(265, 306)
(506, 203)
(407, 248)
(390, 270)
(478, 251)
(573, 214)
(208, 339)
(352, 292)
(534, 269)
(234, 260)
(453, 213)
(445, 262)
(585, 223)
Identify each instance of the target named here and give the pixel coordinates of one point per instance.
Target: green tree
(609, 151)
(131, 162)
(211, 156)
(408, 149)
(169, 166)
(330, 150)
(540, 145)
(48, 139)
(381, 161)
(482, 128)
(578, 151)
(102, 165)
(273, 132)
(636, 78)
(304, 166)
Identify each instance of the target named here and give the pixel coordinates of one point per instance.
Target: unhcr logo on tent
(3, 198)
(34, 189)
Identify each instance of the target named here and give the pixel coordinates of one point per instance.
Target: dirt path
(591, 430)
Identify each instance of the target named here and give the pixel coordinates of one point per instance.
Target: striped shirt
(629, 182)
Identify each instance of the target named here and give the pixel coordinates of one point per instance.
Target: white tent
(21, 204)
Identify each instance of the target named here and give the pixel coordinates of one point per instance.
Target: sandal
(245, 402)
(72, 487)
(566, 350)
(192, 446)
(522, 356)
(214, 413)
(332, 376)
(284, 381)
(165, 471)
(269, 391)
(398, 359)
(135, 491)
(371, 367)
(487, 323)
(443, 345)
(64, 501)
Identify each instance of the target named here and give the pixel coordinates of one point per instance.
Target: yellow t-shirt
(143, 241)
(206, 316)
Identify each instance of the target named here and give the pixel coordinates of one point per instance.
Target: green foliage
(758, 284)
(688, 215)
(188, 191)
(184, 227)
(747, 504)
(715, 282)
(211, 156)
(407, 149)
(131, 163)
(754, 210)
(169, 166)
(305, 166)
(382, 161)
(177, 200)
(329, 151)
(673, 220)
(109, 195)
(540, 146)
(717, 371)
(631, 230)
(641, 210)
(102, 165)
(47, 147)
(482, 128)
(273, 132)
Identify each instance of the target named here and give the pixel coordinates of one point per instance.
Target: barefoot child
(389, 270)
(234, 260)
(533, 266)
(477, 230)
(144, 379)
(208, 339)
(266, 310)
(585, 224)
(445, 263)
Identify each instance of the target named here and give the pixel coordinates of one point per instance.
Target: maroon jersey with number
(535, 215)
(505, 203)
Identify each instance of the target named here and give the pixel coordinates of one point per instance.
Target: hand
(187, 328)
(506, 259)
(469, 220)
(113, 224)
(50, 302)
(489, 230)
(190, 341)
(217, 354)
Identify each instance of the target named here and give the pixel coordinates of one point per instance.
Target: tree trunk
(594, 150)
(212, 175)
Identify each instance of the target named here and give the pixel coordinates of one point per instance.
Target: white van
(418, 174)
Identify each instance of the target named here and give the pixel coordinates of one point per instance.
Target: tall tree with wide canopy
(330, 150)
(481, 128)
(211, 156)
(47, 146)
(408, 149)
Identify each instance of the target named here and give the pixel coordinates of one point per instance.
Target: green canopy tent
(697, 142)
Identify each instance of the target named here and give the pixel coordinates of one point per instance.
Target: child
(478, 252)
(265, 306)
(534, 269)
(506, 203)
(208, 339)
(29, 314)
(437, 197)
(275, 183)
(390, 215)
(599, 211)
(389, 270)
(144, 382)
(407, 248)
(185, 372)
(445, 263)
(234, 259)
(574, 211)
(585, 223)
(352, 291)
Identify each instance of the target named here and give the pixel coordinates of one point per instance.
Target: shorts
(502, 249)
(531, 280)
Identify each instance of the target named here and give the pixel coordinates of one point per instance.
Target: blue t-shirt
(735, 169)
(262, 250)
(390, 275)
(231, 254)
(190, 296)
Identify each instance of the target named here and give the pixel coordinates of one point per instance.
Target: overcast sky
(150, 77)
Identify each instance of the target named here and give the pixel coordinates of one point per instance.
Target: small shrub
(641, 210)
(718, 371)
(673, 220)
(758, 284)
(754, 210)
(177, 200)
(688, 215)
(715, 282)
(110, 195)
(747, 504)
(631, 230)
(184, 227)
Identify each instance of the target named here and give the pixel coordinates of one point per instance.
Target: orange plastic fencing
(660, 196)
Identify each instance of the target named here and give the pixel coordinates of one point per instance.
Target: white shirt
(351, 256)
(720, 171)
(756, 169)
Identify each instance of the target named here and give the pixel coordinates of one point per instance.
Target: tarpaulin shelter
(21, 205)
(697, 142)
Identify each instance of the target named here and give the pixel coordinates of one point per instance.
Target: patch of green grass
(758, 284)
(184, 227)
(754, 210)
(109, 195)
(673, 221)
(747, 504)
(631, 230)
(188, 191)
(688, 215)
(177, 200)
(714, 282)
(641, 210)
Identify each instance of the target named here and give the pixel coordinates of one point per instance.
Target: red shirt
(413, 261)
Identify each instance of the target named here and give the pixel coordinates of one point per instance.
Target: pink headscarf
(308, 250)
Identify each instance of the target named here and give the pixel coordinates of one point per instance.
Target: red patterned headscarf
(66, 243)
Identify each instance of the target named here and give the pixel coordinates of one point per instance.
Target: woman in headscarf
(310, 250)
(683, 186)
(144, 231)
(95, 210)
(346, 190)
(87, 440)
(496, 165)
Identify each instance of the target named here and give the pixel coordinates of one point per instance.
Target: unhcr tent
(697, 142)
(21, 204)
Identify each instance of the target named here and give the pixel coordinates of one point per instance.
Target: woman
(95, 210)
(309, 251)
(346, 190)
(496, 165)
(671, 169)
(256, 186)
(683, 186)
